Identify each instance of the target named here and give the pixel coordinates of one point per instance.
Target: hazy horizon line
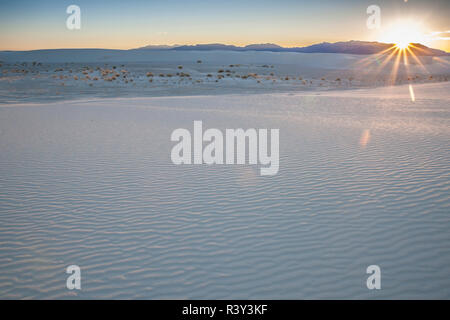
(209, 43)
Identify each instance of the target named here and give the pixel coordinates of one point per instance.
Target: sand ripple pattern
(362, 181)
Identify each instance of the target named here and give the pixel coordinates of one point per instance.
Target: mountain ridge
(349, 47)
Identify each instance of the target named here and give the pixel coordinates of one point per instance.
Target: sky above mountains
(27, 25)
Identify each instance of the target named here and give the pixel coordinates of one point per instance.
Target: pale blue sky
(27, 24)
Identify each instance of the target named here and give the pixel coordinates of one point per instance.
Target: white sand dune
(364, 179)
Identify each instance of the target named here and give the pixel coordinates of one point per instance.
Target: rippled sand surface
(364, 179)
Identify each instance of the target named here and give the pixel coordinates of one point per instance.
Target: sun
(402, 44)
(404, 32)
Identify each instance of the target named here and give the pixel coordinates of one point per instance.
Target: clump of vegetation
(199, 61)
(180, 67)
(220, 71)
(149, 74)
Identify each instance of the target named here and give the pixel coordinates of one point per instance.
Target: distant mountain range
(350, 47)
